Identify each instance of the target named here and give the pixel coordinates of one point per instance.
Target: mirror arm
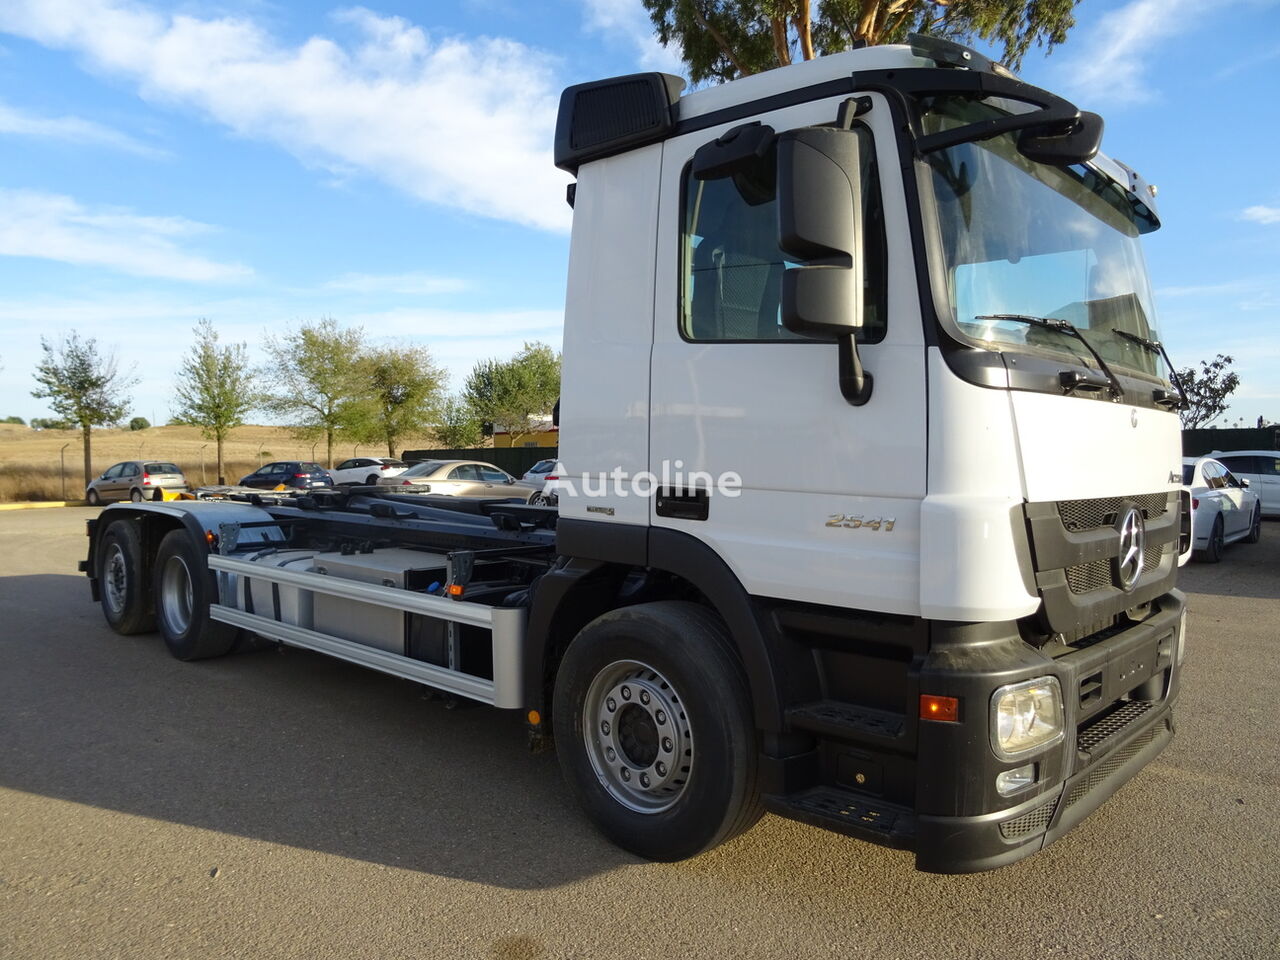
(855, 383)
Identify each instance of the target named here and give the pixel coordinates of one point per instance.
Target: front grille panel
(1081, 515)
(1113, 724)
(1112, 763)
(1097, 574)
(1033, 822)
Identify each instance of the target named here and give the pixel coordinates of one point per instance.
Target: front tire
(1212, 553)
(371, 480)
(123, 588)
(93, 498)
(654, 730)
(1255, 527)
(184, 587)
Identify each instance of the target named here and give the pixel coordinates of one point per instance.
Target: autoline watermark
(619, 483)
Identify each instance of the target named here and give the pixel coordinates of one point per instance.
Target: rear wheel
(135, 495)
(1255, 527)
(1212, 553)
(184, 587)
(371, 480)
(122, 581)
(654, 729)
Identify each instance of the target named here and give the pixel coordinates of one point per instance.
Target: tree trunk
(721, 42)
(781, 46)
(88, 454)
(221, 478)
(328, 446)
(804, 28)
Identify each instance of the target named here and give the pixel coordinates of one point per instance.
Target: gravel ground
(287, 805)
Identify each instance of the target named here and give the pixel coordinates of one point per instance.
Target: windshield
(1020, 237)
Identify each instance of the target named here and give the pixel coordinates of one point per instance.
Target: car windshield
(1019, 237)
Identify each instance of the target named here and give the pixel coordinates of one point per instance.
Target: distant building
(543, 434)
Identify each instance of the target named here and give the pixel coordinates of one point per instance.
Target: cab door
(829, 499)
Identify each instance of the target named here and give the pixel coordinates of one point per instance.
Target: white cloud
(71, 130)
(52, 226)
(1107, 63)
(465, 123)
(461, 324)
(1260, 214)
(410, 284)
(629, 21)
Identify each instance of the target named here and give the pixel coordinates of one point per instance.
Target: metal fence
(1198, 442)
(514, 460)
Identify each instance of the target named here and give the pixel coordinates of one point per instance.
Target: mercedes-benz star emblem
(1127, 567)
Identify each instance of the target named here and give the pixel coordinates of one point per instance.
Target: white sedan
(1223, 509)
(367, 471)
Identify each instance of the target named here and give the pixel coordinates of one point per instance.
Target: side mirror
(1244, 483)
(820, 219)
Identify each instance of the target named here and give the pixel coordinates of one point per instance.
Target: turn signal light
(946, 709)
(456, 589)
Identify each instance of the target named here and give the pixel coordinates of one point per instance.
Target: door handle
(681, 504)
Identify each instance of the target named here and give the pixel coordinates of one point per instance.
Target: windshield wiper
(1069, 380)
(1179, 402)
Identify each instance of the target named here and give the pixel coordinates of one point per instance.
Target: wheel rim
(638, 736)
(177, 597)
(115, 578)
(136, 496)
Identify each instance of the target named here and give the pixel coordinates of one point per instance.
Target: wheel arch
(598, 557)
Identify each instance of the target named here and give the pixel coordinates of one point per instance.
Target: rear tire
(122, 581)
(370, 481)
(654, 729)
(135, 495)
(184, 587)
(1212, 553)
(1255, 527)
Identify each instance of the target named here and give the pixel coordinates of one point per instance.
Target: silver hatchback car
(136, 480)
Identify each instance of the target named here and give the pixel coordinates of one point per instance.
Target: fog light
(1026, 716)
(1019, 778)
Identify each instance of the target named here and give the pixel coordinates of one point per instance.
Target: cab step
(847, 721)
(849, 813)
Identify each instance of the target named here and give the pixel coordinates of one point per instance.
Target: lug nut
(609, 752)
(612, 704)
(644, 696)
(666, 744)
(626, 774)
(604, 727)
(644, 779)
(626, 693)
(660, 717)
(661, 768)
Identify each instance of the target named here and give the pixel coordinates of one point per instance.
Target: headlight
(1026, 716)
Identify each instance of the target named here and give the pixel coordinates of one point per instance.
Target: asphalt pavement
(287, 805)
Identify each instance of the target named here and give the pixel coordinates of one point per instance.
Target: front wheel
(1255, 526)
(654, 730)
(1212, 553)
(184, 587)
(94, 499)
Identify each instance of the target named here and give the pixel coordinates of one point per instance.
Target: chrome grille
(1097, 574)
(1080, 515)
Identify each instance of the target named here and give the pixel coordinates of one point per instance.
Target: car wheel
(184, 587)
(1212, 553)
(371, 480)
(1255, 528)
(93, 498)
(122, 581)
(135, 495)
(654, 730)
(537, 500)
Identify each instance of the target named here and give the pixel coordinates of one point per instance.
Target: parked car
(136, 480)
(367, 470)
(293, 474)
(1262, 469)
(462, 478)
(1223, 508)
(538, 472)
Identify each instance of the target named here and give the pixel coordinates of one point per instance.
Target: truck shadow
(294, 748)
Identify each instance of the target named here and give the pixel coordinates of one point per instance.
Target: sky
(263, 163)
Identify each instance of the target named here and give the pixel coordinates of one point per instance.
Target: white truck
(876, 514)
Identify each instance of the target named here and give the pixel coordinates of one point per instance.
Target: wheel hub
(116, 578)
(638, 736)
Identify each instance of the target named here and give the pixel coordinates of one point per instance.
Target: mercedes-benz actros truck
(870, 511)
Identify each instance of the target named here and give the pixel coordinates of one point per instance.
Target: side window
(347, 464)
(490, 475)
(1269, 466)
(731, 266)
(1213, 476)
(467, 471)
(1239, 464)
(114, 472)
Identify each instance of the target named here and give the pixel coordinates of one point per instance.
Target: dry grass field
(29, 458)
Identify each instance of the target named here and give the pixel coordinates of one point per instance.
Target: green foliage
(84, 387)
(1208, 390)
(458, 426)
(512, 395)
(723, 39)
(16, 420)
(139, 423)
(49, 423)
(401, 387)
(215, 387)
(315, 379)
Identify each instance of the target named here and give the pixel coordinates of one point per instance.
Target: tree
(85, 388)
(139, 423)
(14, 420)
(315, 379)
(514, 394)
(49, 423)
(1207, 391)
(724, 39)
(215, 388)
(459, 427)
(402, 386)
